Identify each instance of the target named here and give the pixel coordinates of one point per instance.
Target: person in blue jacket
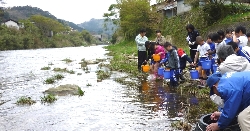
(239, 51)
(234, 89)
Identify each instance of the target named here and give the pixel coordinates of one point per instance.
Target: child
(228, 37)
(160, 51)
(222, 37)
(150, 47)
(203, 50)
(173, 64)
(211, 55)
(239, 51)
(183, 57)
(239, 36)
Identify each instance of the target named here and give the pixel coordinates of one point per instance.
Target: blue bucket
(206, 64)
(160, 71)
(166, 74)
(215, 66)
(194, 74)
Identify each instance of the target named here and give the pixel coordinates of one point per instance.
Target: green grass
(64, 70)
(58, 76)
(103, 74)
(120, 62)
(53, 79)
(50, 98)
(88, 84)
(25, 101)
(45, 68)
(235, 18)
(80, 92)
(67, 60)
(50, 80)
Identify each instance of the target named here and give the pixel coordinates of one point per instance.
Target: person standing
(191, 38)
(159, 38)
(239, 36)
(140, 40)
(173, 64)
(203, 50)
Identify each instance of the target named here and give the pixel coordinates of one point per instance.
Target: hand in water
(215, 116)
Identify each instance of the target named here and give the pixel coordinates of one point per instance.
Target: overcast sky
(77, 11)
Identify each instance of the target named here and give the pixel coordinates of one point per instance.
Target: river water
(106, 105)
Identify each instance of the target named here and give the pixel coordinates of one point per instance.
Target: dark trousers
(142, 56)
(192, 54)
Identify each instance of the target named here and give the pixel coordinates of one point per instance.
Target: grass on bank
(120, 62)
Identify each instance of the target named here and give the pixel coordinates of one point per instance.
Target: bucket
(160, 71)
(194, 74)
(215, 66)
(156, 57)
(166, 74)
(206, 64)
(206, 120)
(145, 68)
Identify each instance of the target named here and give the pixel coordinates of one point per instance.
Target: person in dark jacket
(173, 64)
(183, 58)
(150, 48)
(191, 38)
(234, 89)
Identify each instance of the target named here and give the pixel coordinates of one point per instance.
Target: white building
(12, 24)
(170, 8)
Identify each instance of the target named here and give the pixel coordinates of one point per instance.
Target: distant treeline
(36, 33)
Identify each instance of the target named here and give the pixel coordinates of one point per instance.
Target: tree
(133, 15)
(46, 24)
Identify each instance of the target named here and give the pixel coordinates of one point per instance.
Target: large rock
(63, 90)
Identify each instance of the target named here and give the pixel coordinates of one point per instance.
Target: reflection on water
(106, 105)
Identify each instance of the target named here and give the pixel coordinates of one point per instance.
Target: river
(106, 105)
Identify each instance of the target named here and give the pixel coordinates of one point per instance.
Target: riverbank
(187, 90)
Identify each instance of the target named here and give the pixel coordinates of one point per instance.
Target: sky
(77, 11)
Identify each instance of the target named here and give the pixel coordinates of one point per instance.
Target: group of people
(170, 57)
(229, 85)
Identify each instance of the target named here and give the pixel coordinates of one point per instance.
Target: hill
(96, 26)
(24, 12)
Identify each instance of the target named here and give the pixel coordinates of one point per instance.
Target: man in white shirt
(239, 36)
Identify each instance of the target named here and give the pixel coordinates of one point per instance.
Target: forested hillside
(23, 12)
(99, 26)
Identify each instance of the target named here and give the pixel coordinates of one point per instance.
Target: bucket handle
(199, 126)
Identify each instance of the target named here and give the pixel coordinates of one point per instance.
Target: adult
(234, 88)
(229, 62)
(140, 40)
(239, 36)
(160, 39)
(191, 38)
